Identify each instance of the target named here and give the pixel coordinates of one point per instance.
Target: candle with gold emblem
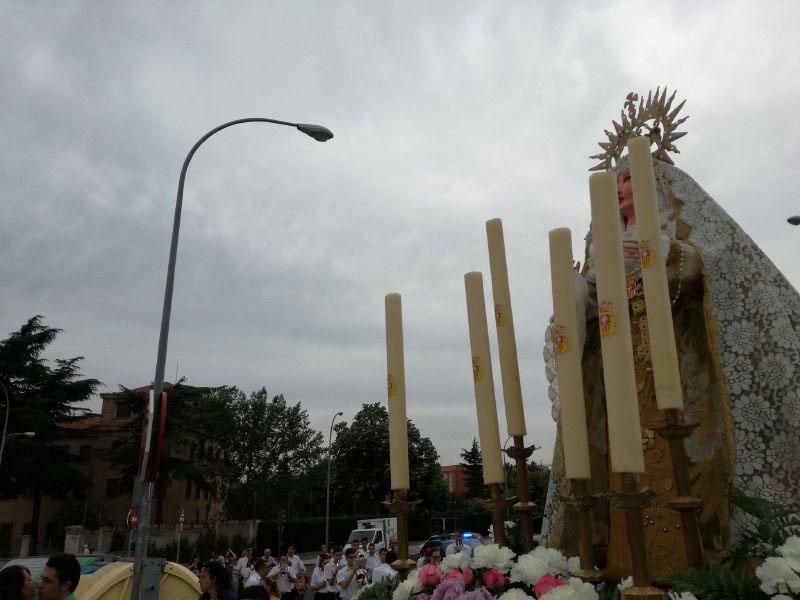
(663, 353)
(488, 429)
(504, 319)
(624, 429)
(396, 379)
(574, 438)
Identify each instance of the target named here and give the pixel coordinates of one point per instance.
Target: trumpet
(361, 576)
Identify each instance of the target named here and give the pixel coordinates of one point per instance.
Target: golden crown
(655, 118)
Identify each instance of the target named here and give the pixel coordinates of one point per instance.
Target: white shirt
(254, 579)
(317, 577)
(452, 549)
(242, 568)
(329, 575)
(351, 590)
(372, 562)
(284, 583)
(382, 572)
(296, 562)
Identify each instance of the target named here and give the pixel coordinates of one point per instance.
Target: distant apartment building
(456, 480)
(108, 498)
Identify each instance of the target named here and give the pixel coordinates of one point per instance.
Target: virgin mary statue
(737, 328)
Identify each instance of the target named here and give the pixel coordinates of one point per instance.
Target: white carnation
(528, 569)
(514, 594)
(491, 556)
(574, 589)
(556, 562)
(459, 560)
(684, 596)
(791, 552)
(777, 576)
(574, 564)
(411, 585)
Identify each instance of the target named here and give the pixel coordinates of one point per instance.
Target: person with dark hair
(260, 570)
(285, 576)
(331, 570)
(349, 584)
(272, 589)
(60, 577)
(215, 583)
(16, 583)
(319, 583)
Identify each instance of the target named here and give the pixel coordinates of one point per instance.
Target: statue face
(625, 194)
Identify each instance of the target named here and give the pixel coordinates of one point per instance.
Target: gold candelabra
(401, 506)
(675, 432)
(631, 500)
(520, 453)
(583, 501)
(497, 504)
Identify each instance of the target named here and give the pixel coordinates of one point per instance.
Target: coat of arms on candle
(630, 286)
(559, 339)
(646, 255)
(498, 315)
(476, 368)
(390, 385)
(608, 321)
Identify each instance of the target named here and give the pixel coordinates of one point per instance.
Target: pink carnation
(465, 575)
(546, 583)
(430, 576)
(493, 578)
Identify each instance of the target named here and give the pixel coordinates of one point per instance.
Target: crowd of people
(337, 574)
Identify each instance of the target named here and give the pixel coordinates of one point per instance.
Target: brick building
(107, 497)
(456, 480)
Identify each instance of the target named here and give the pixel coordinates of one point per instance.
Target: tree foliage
(473, 470)
(361, 476)
(43, 396)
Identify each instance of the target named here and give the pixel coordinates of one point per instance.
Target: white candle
(624, 428)
(663, 353)
(574, 438)
(396, 384)
(488, 429)
(504, 319)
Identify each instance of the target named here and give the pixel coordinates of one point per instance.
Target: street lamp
(795, 220)
(328, 487)
(143, 488)
(11, 436)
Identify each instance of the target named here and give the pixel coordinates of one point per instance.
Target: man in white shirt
(294, 559)
(332, 570)
(384, 570)
(458, 545)
(268, 558)
(244, 566)
(260, 570)
(346, 577)
(372, 560)
(285, 575)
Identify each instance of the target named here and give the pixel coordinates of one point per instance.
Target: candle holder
(520, 453)
(675, 432)
(497, 505)
(631, 500)
(401, 506)
(583, 501)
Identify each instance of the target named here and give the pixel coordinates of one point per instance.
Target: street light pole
(143, 487)
(328, 487)
(5, 423)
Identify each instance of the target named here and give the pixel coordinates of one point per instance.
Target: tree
(473, 469)
(43, 397)
(361, 478)
(272, 451)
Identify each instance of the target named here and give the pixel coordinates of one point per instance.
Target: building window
(123, 409)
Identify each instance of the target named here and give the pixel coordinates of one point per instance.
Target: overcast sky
(446, 114)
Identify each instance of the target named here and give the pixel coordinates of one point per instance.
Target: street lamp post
(11, 436)
(143, 487)
(328, 487)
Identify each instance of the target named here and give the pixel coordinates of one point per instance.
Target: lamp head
(29, 434)
(795, 220)
(339, 414)
(318, 132)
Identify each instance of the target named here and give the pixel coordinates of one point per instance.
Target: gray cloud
(445, 115)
